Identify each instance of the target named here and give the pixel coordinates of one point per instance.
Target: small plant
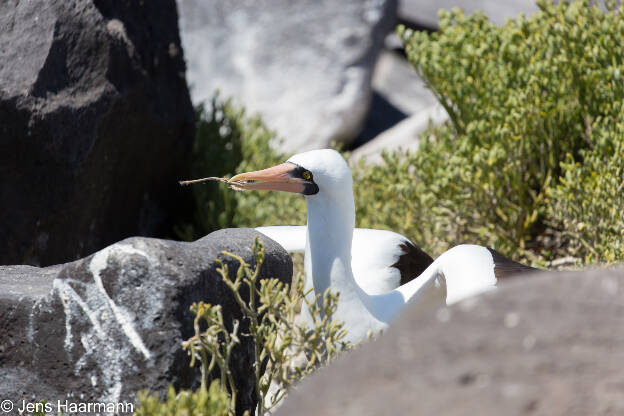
(528, 163)
(587, 206)
(213, 401)
(228, 141)
(280, 341)
(534, 105)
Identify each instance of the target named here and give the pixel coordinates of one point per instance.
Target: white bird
(323, 176)
(381, 260)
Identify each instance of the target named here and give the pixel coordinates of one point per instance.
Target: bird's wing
(471, 269)
(384, 260)
(504, 267)
(291, 237)
(463, 271)
(381, 260)
(428, 291)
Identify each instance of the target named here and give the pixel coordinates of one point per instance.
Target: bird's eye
(306, 175)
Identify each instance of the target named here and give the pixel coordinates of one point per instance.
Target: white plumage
(373, 252)
(354, 263)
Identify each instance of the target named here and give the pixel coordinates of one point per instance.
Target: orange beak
(285, 177)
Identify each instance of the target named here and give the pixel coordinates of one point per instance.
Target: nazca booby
(381, 260)
(324, 178)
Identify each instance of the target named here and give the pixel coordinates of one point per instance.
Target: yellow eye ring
(306, 175)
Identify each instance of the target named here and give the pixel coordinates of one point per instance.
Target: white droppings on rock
(68, 344)
(104, 342)
(30, 331)
(66, 294)
(109, 361)
(97, 265)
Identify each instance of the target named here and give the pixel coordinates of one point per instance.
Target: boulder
(96, 125)
(396, 79)
(305, 66)
(404, 135)
(104, 327)
(424, 14)
(549, 344)
(400, 88)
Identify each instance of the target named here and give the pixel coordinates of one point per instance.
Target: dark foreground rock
(545, 345)
(102, 328)
(96, 125)
(305, 66)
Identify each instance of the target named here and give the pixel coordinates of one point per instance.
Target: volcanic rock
(305, 66)
(104, 327)
(549, 344)
(96, 125)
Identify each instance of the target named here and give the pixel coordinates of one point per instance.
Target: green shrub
(588, 205)
(531, 103)
(521, 100)
(213, 401)
(530, 163)
(279, 339)
(227, 141)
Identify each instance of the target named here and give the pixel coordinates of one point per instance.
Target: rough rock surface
(424, 13)
(548, 344)
(404, 135)
(104, 327)
(396, 81)
(96, 125)
(306, 66)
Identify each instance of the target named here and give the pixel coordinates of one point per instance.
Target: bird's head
(317, 171)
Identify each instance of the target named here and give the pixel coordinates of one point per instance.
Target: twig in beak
(211, 178)
(231, 184)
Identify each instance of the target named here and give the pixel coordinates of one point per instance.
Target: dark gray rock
(96, 125)
(106, 326)
(549, 344)
(305, 66)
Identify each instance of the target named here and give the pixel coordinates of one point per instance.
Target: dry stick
(211, 178)
(236, 185)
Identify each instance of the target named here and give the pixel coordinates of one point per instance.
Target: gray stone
(96, 125)
(404, 135)
(397, 82)
(425, 13)
(396, 79)
(104, 327)
(305, 66)
(549, 344)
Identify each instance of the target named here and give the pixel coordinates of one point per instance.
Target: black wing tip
(504, 267)
(412, 262)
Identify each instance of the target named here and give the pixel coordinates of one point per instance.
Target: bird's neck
(328, 250)
(328, 265)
